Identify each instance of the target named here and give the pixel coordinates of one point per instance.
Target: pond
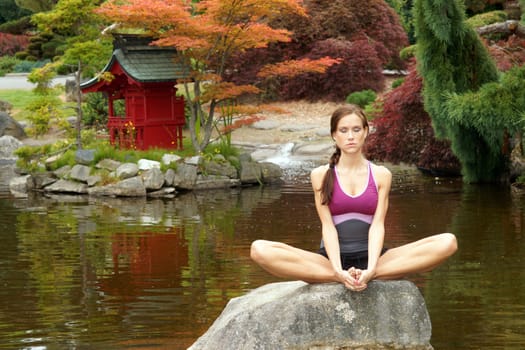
(104, 273)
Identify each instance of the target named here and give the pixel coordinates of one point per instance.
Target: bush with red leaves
(507, 53)
(359, 70)
(368, 38)
(404, 132)
(11, 44)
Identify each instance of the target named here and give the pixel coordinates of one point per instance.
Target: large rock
(210, 182)
(131, 187)
(153, 179)
(80, 173)
(297, 315)
(20, 185)
(127, 170)
(185, 177)
(8, 145)
(251, 172)
(66, 186)
(85, 156)
(9, 126)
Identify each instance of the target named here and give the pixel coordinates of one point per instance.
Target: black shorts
(358, 260)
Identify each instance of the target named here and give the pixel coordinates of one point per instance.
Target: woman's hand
(357, 275)
(350, 278)
(344, 277)
(363, 277)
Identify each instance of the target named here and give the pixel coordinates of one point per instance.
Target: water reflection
(80, 272)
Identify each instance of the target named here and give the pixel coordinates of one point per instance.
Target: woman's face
(350, 134)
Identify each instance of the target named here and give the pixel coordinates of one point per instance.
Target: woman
(351, 198)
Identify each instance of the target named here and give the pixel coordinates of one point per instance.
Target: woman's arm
(376, 233)
(329, 232)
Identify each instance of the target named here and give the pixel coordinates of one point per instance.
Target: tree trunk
(79, 106)
(508, 28)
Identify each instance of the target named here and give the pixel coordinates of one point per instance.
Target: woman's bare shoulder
(381, 172)
(317, 174)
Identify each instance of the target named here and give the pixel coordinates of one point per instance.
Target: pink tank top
(352, 215)
(364, 203)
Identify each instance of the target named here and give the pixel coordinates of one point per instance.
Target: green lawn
(18, 98)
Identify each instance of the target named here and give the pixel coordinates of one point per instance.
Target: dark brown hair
(327, 186)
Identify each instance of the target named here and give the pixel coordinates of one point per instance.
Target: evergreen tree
(452, 60)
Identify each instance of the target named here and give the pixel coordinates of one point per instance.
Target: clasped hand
(355, 279)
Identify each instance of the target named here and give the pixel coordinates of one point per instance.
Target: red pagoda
(144, 77)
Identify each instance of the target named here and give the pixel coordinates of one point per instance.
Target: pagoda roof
(142, 62)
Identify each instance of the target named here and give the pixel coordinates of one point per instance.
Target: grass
(18, 98)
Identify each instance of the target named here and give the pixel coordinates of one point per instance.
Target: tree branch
(507, 27)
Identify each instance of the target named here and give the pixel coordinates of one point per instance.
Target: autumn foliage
(508, 52)
(404, 132)
(207, 35)
(11, 44)
(366, 39)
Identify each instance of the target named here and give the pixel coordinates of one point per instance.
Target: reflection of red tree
(145, 261)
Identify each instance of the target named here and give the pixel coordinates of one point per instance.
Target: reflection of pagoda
(144, 76)
(151, 260)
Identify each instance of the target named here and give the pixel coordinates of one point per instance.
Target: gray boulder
(9, 126)
(168, 158)
(296, 315)
(185, 177)
(85, 156)
(41, 180)
(62, 171)
(127, 170)
(169, 177)
(220, 168)
(210, 182)
(5, 106)
(66, 186)
(271, 172)
(147, 164)
(20, 185)
(132, 187)
(251, 172)
(8, 145)
(80, 173)
(153, 179)
(108, 164)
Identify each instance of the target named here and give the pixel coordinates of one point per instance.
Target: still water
(102, 273)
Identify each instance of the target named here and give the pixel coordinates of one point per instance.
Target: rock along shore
(145, 178)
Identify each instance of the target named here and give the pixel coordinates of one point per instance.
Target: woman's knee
(258, 250)
(449, 243)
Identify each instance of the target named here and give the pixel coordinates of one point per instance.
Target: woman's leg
(283, 260)
(419, 256)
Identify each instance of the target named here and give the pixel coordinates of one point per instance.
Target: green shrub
(7, 63)
(374, 110)
(408, 52)
(67, 158)
(487, 18)
(361, 98)
(95, 110)
(27, 66)
(221, 147)
(41, 112)
(397, 82)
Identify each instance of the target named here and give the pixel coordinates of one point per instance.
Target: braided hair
(327, 187)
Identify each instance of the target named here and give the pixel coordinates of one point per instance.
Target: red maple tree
(207, 35)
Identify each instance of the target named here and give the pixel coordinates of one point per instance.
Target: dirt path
(303, 121)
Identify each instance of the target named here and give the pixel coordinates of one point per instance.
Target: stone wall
(145, 178)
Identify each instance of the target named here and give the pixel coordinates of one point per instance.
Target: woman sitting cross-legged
(351, 197)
